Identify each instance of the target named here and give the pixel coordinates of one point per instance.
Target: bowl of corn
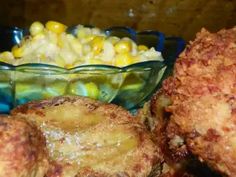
(116, 65)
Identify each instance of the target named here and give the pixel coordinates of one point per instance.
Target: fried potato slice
(85, 136)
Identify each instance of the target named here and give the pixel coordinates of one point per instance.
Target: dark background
(173, 17)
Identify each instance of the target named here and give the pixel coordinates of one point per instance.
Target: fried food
(201, 95)
(22, 149)
(90, 138)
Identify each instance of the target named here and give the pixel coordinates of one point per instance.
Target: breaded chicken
(90, 138)
(22, 149)
(200, 114)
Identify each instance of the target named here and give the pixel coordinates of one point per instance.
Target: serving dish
(127, 86)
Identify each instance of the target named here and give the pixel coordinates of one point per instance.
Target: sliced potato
(92, 137)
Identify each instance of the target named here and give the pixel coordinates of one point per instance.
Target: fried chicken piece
(168, 136)
(22, 149)
(201, 115)
(90, 138)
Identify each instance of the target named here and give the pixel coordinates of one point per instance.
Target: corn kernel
(96, 31)
(52, 38)
(113, 39)
(97, 44)
(124, 59)
(6, 57)
(88, 38)
(123, 46)
(39, 36)
(43, 57)
(6, 54)
(142, 48)
(92, 90)
(86, 49)
(78, 62)
(60, 62)
(82, 32)
(69, 66)
(36, 28)
(60, 42)
(75, 44)
(55, 27)
(136, 59)
(95, 61)
(23, 88)
(108, 52)
(55, 89)
(17, 51)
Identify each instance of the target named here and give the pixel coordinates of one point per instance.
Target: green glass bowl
(128, 86)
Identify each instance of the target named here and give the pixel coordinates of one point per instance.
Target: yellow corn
(36, 28)
(17, 51)
(79, 62)
(43, 57)
(55, 89)
(97, 44)
(55, 27)
(6, 54)
(86, 49)
(69, 66)
(6, 57)
(124, 59)
(113, 39)
(88, 38)
(92, 90)
(39, 36)
(142, 48)
(21, 88)
(95, 61)
(60, 42)
(75, 44)
(52, 38)
(60, 62)
(83, 32)
(123, 46)
(70, 37)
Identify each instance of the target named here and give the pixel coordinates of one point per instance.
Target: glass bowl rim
(108, 69)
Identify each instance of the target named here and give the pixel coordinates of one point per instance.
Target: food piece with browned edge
(90, 138)
(199, 117)
(22, 149)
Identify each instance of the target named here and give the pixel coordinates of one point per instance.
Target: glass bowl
(128, 86)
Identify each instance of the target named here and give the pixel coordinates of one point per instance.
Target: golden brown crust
(212, 139)
(113, 141)
(87, 172)
(168, 136)
(203, 95)
(22, 149)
